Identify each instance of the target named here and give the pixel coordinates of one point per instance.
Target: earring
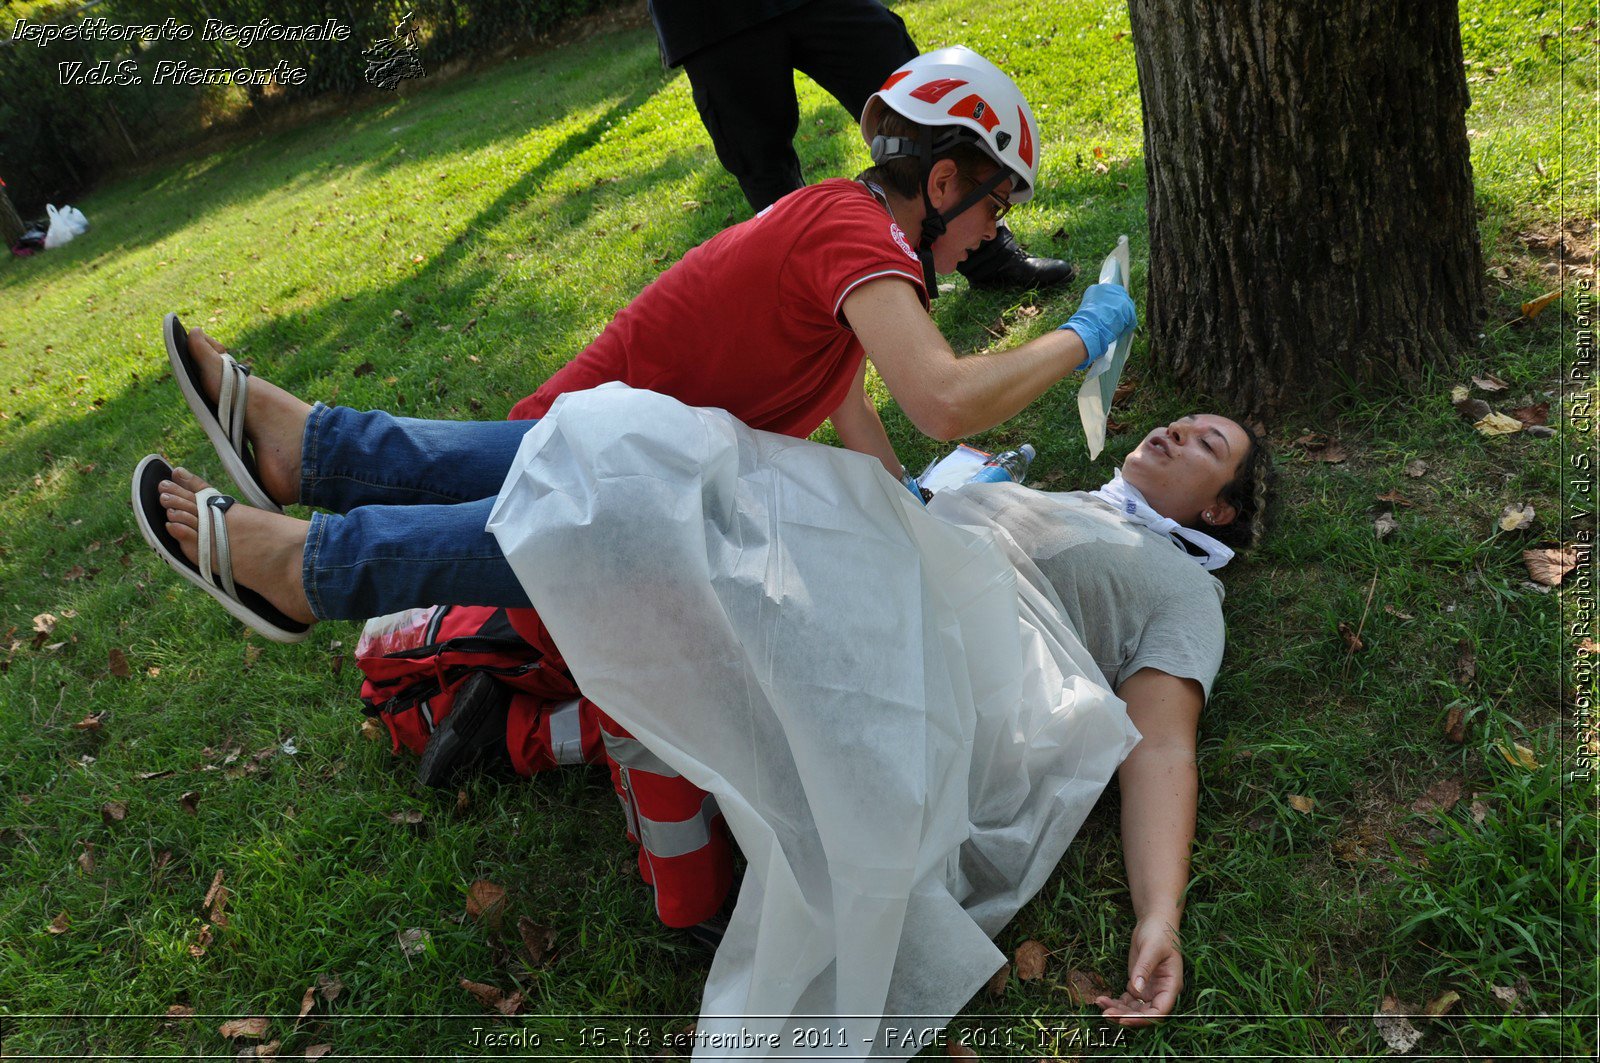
(1207, 515)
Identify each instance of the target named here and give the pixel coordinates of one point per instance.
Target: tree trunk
(1310, 195)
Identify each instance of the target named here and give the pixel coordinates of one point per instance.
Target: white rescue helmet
(963, 97)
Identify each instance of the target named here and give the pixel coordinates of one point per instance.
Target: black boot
(472, 736)
(1002, 263)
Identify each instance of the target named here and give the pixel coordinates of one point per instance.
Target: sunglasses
(1001, 207)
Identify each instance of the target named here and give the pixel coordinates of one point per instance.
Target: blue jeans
(410, 499)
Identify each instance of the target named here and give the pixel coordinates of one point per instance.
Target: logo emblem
(900, 238)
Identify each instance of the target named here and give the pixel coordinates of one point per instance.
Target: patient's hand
(1155, 976)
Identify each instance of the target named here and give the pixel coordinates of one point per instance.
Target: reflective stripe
(630, 752)
(669, 839)
(566, 733)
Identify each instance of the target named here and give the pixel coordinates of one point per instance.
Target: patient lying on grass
(1129, 564)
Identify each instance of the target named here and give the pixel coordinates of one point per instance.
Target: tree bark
(1312, 226)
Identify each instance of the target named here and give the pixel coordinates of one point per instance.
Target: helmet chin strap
(934, 223)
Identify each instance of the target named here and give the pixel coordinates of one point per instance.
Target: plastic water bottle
(1010, 467)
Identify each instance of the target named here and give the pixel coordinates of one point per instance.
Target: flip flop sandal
(223, 420)
(243, 603)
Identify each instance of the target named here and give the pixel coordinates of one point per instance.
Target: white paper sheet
(1100, 382)
(900, 730)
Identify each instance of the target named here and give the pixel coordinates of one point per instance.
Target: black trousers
(744, 85)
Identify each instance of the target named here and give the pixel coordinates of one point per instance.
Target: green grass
(530, 201)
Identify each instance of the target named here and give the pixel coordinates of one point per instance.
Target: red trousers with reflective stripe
(685, 852)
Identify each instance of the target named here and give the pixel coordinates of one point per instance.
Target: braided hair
(1250, 493)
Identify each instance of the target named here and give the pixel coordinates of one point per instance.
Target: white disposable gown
(900, 729)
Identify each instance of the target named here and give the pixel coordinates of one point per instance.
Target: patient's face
(1181, 468)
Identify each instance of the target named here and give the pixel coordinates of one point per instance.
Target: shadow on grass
(462, 116)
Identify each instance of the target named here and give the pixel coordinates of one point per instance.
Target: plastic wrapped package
(900, 730)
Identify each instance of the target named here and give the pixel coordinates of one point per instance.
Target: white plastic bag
(66, 225)
(900, 729)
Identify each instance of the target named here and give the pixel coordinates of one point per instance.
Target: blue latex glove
(1106, 313)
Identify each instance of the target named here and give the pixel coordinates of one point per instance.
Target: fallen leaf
(1455, 725)
(1030, 959)
(1440, 797)
(1441, 1004)
(337, 663)
(1548, 566)
(317, 1051)
(1589, 646)
(190, 802)
(1397, 614)
(1302, 804)
(306, 1000)
(252, 654)
(1540, 431)
(487, 995)
(330, 987)
(414, 942)
(1084, 986)
(1506, 995)
(254, 1029)
(1352, 641)
(180, 1011)
(1479, 811)
(1518, 516)
(218, 912)
(1124, 392)
(486, 902)
(1489, 382)
(89, 723)
(463, 802)
(1474, 410)
(1397, 1031)
(59, 924)
(364, 369)
(511, 1004)
(119, 664)
(999, 980)
(266, 1051)
(1533, 416)
(1396, 497)
(201, 942)
(76, 572)
(86, 858)
(44, 623)
(1466, 663)
(1498, 424)
(1385, 525)
(1416, 468)
(1459, 394)
(537, 940)
(211, 893)
(411, 816)
(1517, 755)
(1533, 308)
(1333, 454)
(372, 730)
(146, 776)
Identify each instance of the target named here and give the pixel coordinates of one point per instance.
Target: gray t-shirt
(1135, 598)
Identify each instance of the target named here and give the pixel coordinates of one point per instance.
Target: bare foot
(266, 547)
(274, 421)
